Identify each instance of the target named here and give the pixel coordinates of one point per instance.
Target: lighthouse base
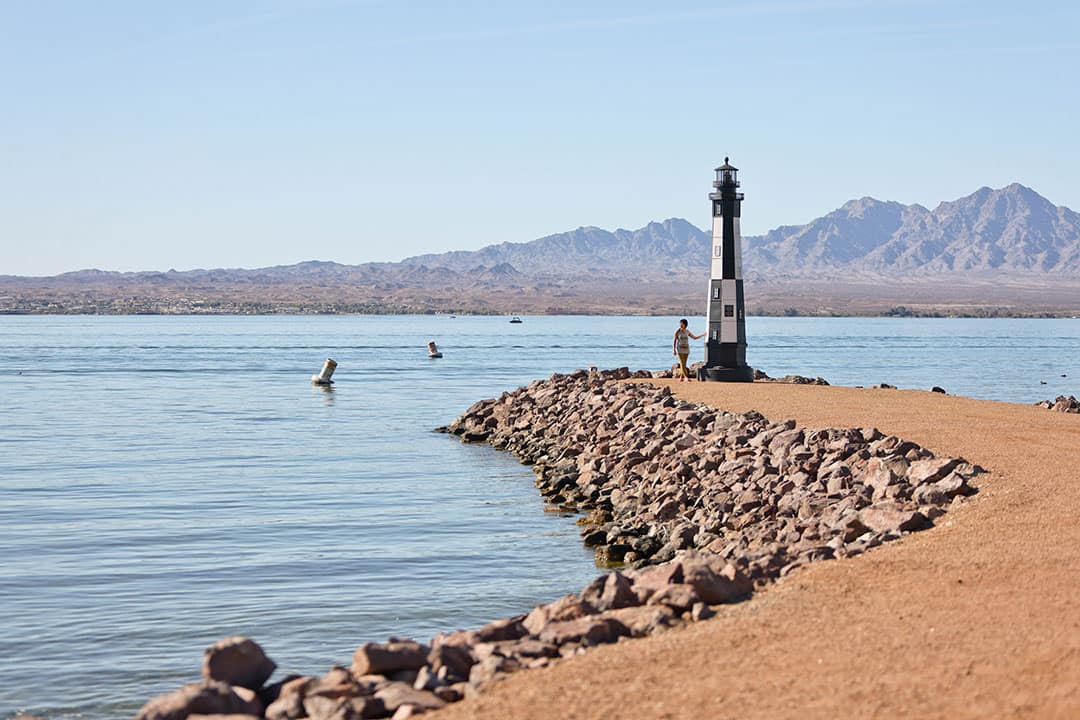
(719, 373)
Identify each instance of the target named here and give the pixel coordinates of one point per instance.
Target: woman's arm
(697, 337)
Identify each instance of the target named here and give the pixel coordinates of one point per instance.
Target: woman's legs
(682, 366)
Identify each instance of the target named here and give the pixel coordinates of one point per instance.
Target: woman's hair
(683, 321)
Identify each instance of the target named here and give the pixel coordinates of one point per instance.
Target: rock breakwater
(696, 507)
(658, 475)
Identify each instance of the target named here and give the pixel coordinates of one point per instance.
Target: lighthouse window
(716, 293)
(718, 250)
(716, 210)
(729, 311)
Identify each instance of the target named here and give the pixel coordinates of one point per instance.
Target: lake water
(167, 481)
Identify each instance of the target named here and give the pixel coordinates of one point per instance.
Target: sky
(150, 135)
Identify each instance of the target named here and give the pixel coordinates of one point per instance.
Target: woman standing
(681, 347)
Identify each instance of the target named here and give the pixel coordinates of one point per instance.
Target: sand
(978, 617)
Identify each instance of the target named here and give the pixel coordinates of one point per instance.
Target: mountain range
(995, 247)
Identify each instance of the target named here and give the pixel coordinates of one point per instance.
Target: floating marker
(433, 350)
(323, 378)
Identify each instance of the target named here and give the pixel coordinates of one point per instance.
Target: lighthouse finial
(726, 159)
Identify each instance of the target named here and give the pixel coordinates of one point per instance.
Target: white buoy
(323, 378)
(433, 350)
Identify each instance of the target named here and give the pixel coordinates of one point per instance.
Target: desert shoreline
(977, 617)
(931, 629)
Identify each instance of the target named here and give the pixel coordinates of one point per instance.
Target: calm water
(166, 481)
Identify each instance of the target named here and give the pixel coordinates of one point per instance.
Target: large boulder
(922, 472)
(713, 580)
(568, 607)
(237, 661)
(643, 619)
(322, 707)
(390, 657)
(510, 628)
(592, 630)
(456, 659)
(395, 695)
(206, 697)
(888, 516)
(609, 592)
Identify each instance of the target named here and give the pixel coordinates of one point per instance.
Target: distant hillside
(659, 248)
(1009, 250)
(1013, 230)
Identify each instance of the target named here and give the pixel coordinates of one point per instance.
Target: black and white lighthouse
(725, 347)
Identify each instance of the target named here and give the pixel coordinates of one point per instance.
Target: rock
(1061, 404)
(678, 597)
(404, 676)
(616, 591)
(383, 659)
(701, 611)
(322, 707)
(891, 516)
(938, 389)
(568, 607)
(922, 472)
(270, 693)
(593, 630)
(237, 661)
(450, 693)
(530, 649)
(492, 668)
(395, 695)
(650, 580)
(428, 679)
(510, 628)
(594, 538)
(207, 697)
(290, 707)
(288, 703)
(215, 716)
(457, 660)
(714, 582)
(643, 619)
(338, 695)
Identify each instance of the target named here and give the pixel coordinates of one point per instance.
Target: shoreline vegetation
(691, 507)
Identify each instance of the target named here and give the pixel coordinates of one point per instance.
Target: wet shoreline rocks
(1061, 403)
(690, 506)
(657, 475)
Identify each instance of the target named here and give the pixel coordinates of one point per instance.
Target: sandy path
(979, 617)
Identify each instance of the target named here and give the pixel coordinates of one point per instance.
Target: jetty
(874, 552)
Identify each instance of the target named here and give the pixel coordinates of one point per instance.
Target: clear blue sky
(155, 135)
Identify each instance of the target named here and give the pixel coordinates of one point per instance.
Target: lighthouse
(725, 346)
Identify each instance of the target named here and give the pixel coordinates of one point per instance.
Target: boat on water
(515, 320)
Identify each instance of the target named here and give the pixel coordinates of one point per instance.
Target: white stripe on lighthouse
(738, 252)
(729, 324)
(716, 268)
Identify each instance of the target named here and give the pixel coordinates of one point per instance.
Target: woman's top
(682, 341)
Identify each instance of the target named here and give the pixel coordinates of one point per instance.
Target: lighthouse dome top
(726, 166)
